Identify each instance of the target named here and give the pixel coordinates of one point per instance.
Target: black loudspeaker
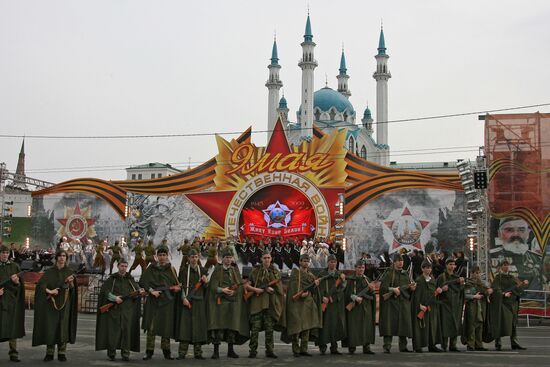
(28, 265)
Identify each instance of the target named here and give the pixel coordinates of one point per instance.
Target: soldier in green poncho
(505, 306)
(333, 309)
(396, 288)
(426, 326)
(452, 301)
(159, 312)
(360, 310)
(12, 303)
(227, 311)
(303, 308)
(266, 304)
(192, 326)
(475, 311)
(116, 252)
(119, 308)
(55, 308)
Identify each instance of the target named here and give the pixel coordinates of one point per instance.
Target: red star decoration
(214, 204)
(63, 221)
(406, 212)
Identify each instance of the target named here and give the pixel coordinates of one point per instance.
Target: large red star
(214, 204)
(76, 225)
(406, 212)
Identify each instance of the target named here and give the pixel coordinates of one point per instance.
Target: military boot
(231, 352)
(216, 352)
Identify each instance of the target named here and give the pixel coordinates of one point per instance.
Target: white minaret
(273, 85)
(381, 76)
(343, 77)
(308, 65)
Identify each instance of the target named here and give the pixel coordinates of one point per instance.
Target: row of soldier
(197, 308)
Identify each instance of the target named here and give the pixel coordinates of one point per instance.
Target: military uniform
(450, 308)
(117, 252)
(227, 315)
(12, 308)
(303, 315)
(334, 315)
(361, 319)
(504, 310)
(395, 312)
(475, 313)
(192, 325)
(55, 318)
(265, 309)
(118, 328)
(426, 326)
(159, 313)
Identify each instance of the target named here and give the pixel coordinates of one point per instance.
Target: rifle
(450, 283)
(108, 306)
(308, 288)
(7, 281)
(519, 284)
(402, 288)
(363, 294)
(331, 293)
(233, 287)
(264, 286)
(483, 287)
(192, 295)
(170, 288)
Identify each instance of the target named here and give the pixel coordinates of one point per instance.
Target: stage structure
(316, 189)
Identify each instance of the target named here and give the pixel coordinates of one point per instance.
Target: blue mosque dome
(367, 114)
(327, 98)
(282, 102)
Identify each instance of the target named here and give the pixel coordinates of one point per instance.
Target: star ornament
(406, 230)
(77, 224)
(277, 215)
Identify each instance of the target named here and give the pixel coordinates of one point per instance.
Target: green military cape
(50, 325)
(305, 313)
(503, 312)
(192, 324)
(334, 317)
(12, 305)
(475, 311)
(118, 328)
(451, 306)
(361, 320)
(160, 311)
(395, 313)
(229, 315)
(272, 302)
(430, 326)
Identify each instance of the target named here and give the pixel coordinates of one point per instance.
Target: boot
(148, 355)
(231, 352)
(167, 354)
(216, 353)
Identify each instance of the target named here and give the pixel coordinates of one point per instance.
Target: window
(152, 175)
(363, 152)
(351, 144)
(159, 175)
(140, 176)
(133, 176)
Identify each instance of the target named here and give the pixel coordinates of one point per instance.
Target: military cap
(162, 250)
(227, 252)
(331, 257)
(192, 252)
(426, 264)
(450, 260)
(360, 262)
(304, 257)
(4, 248)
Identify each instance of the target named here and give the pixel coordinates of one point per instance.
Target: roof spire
(343, 70)
(326, 80)
(274, 54)
(308, 35)
(381, 41)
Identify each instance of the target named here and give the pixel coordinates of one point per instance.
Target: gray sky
(160, 67)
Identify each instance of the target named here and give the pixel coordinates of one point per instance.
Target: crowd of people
(195, 306)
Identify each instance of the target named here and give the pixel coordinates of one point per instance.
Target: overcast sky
(161, 67)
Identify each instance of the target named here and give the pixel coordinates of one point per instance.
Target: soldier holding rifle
(117, 323)
(476, 296)
(395, 305)
(452, 301)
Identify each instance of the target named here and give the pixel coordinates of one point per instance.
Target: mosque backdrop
(315, 189)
